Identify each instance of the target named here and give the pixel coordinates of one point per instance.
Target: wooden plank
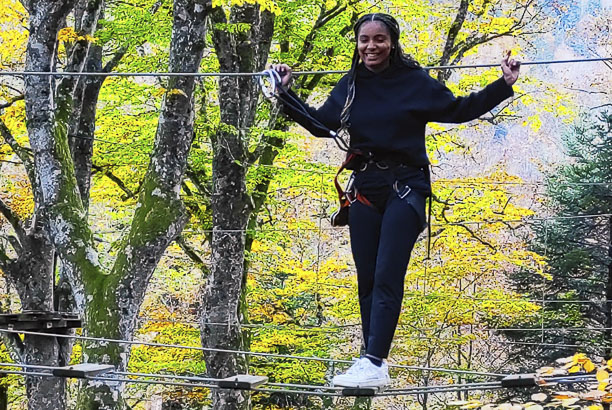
(361, 391)
(81, 371)
(242, 382)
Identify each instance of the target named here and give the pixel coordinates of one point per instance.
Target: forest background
(183, 211)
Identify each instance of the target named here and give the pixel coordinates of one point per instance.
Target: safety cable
(197, 381)
(446, 181)
(259, 74)
(205, 382)
(242, 352)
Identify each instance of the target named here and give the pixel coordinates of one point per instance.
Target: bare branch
(587, 91)
(107, 173)
(193, 255)
(12, 101)
(23, 153)
(12, 219)
(479, 239)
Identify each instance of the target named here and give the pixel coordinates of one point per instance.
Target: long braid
(345, 114)
(397, 56)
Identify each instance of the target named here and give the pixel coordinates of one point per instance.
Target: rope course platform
(107, 373)
(39, 320)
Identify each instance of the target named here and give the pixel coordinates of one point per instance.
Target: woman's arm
(445, 107)
(327, 116)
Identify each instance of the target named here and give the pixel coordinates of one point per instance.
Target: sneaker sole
(372, 383)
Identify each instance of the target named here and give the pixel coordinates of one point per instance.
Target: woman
(384, 103)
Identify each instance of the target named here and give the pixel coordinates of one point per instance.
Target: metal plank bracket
(361, 391)
(242, 382)
(520, 380)
(82, 371)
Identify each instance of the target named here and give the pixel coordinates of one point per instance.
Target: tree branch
(12, 101)
(23, 153)
(107, 173)
(450, 39)
(192, 254)
(13, 220)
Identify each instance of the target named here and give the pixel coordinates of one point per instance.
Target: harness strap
(343, 196)
(429, 227)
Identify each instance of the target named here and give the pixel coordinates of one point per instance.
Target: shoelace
(357, 366)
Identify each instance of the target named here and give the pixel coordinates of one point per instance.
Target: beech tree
(60, 124)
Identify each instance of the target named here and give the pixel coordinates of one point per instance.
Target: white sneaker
(363, 373)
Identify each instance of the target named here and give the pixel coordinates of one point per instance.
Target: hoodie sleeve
(443, 106)
(326, 117)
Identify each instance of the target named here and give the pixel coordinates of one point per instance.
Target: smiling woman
(374, 45)
(384, 103)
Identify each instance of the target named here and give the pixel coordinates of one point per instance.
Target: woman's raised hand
(510, 68)
(284, 71)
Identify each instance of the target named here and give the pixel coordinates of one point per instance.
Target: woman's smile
(374, 45)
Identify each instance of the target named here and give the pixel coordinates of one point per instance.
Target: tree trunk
(160, 214)
(231, 205)
(45, 18)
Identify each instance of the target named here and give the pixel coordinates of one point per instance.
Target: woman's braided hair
(397, 56)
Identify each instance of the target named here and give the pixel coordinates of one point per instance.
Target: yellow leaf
(609, 363)
(589, 366)
(574, 369)
(602, 375)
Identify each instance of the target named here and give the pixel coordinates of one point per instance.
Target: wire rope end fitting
(520, 380)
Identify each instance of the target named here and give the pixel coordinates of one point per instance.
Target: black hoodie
(391, 109)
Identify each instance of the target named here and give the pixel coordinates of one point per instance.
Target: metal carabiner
(269, 81)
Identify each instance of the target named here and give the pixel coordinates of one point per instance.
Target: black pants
(382, 238)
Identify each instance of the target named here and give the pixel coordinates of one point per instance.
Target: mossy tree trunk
(160, 215)
(231, 204)
(60, 123)
(34, 268)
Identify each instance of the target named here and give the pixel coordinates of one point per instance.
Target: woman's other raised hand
(510, 67)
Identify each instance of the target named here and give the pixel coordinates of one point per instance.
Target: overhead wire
(260, 74)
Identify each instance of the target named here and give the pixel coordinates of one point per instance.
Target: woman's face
(374, 45)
